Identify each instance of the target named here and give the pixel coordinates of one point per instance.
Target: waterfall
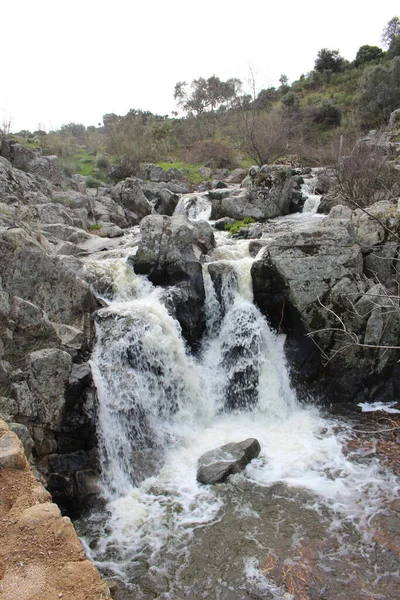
(160, 409)
(308, 189)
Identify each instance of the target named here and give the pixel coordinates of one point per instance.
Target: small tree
(329, 61)
(391, 30)
(206, 100)
(265, 136)
(366, 54)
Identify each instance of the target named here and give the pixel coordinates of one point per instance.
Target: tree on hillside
(391, 30)
(206, 99)
(367, 53)
(206, 94)
(329, 61)
(379, 93)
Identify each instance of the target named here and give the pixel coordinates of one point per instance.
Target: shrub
(326, 113)
(217, 153)
(379, 93)
(365, 176)
(102, 162)
(91, 182)
(237, 225)
(126, 167)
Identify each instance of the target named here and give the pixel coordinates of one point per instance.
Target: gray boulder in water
(216, 465)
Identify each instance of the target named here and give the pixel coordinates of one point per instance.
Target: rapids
(299, 522)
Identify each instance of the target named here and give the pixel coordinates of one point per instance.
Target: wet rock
(220, 223)
(216, 466)
(170, 254)
(130, 196)
(162, 199)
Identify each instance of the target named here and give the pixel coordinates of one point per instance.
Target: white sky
(77, 60)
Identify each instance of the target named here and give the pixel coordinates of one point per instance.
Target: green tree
(206, 99)
(367, 53)
(329, 61)
(379, 93)
(391, 30)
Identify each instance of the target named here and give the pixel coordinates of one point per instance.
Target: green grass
(237, 225)
(190, 170)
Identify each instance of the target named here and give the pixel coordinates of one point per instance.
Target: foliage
(216, 153)
(394, 48)
(235, 227)
(326, 113)
(207, 100)
(206, 94)
(391, 30)
(366, 54)
(91, 182)
(379, 93)
(134, 136)
(365, 176)
(265, 136)
(329, 61)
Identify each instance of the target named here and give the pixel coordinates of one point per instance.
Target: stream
(308, 519)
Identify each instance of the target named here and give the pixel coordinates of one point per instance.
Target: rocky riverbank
(329, 284)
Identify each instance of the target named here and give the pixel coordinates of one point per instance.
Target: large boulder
(162, 199)
(216, 465)
(17, 186)
(170, 253)
(266, 193)
(47, 167)
(130, 196)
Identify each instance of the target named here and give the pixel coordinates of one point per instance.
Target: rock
(48, 167)
(21, 157)
(30, 272)
(216, 466)
(12, 454)
(130, 196)
(105, 209)
(162, 199)
(67, 233)
(23, 433)
(88, 483)
(47, 376)
(220, 223)
(394, 119)
(15, 185)
(170, 254)
(236, 176)
(266, 193)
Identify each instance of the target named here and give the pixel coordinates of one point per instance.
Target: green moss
(237, 225)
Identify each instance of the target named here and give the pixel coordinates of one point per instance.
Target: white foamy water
(161, 405)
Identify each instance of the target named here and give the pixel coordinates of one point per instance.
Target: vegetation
(235, 227)
(225, 125)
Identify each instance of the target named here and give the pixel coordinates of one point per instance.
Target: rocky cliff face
(336, 284)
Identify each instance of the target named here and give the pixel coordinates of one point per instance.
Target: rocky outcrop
(130, 196)
(216, 466)
(170, 254)
(45, 326)
(40, 552)
(265, 193)
(319, 284)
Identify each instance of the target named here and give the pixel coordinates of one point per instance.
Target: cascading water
(166, 536)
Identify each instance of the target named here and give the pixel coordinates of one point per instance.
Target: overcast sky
(74, 61)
